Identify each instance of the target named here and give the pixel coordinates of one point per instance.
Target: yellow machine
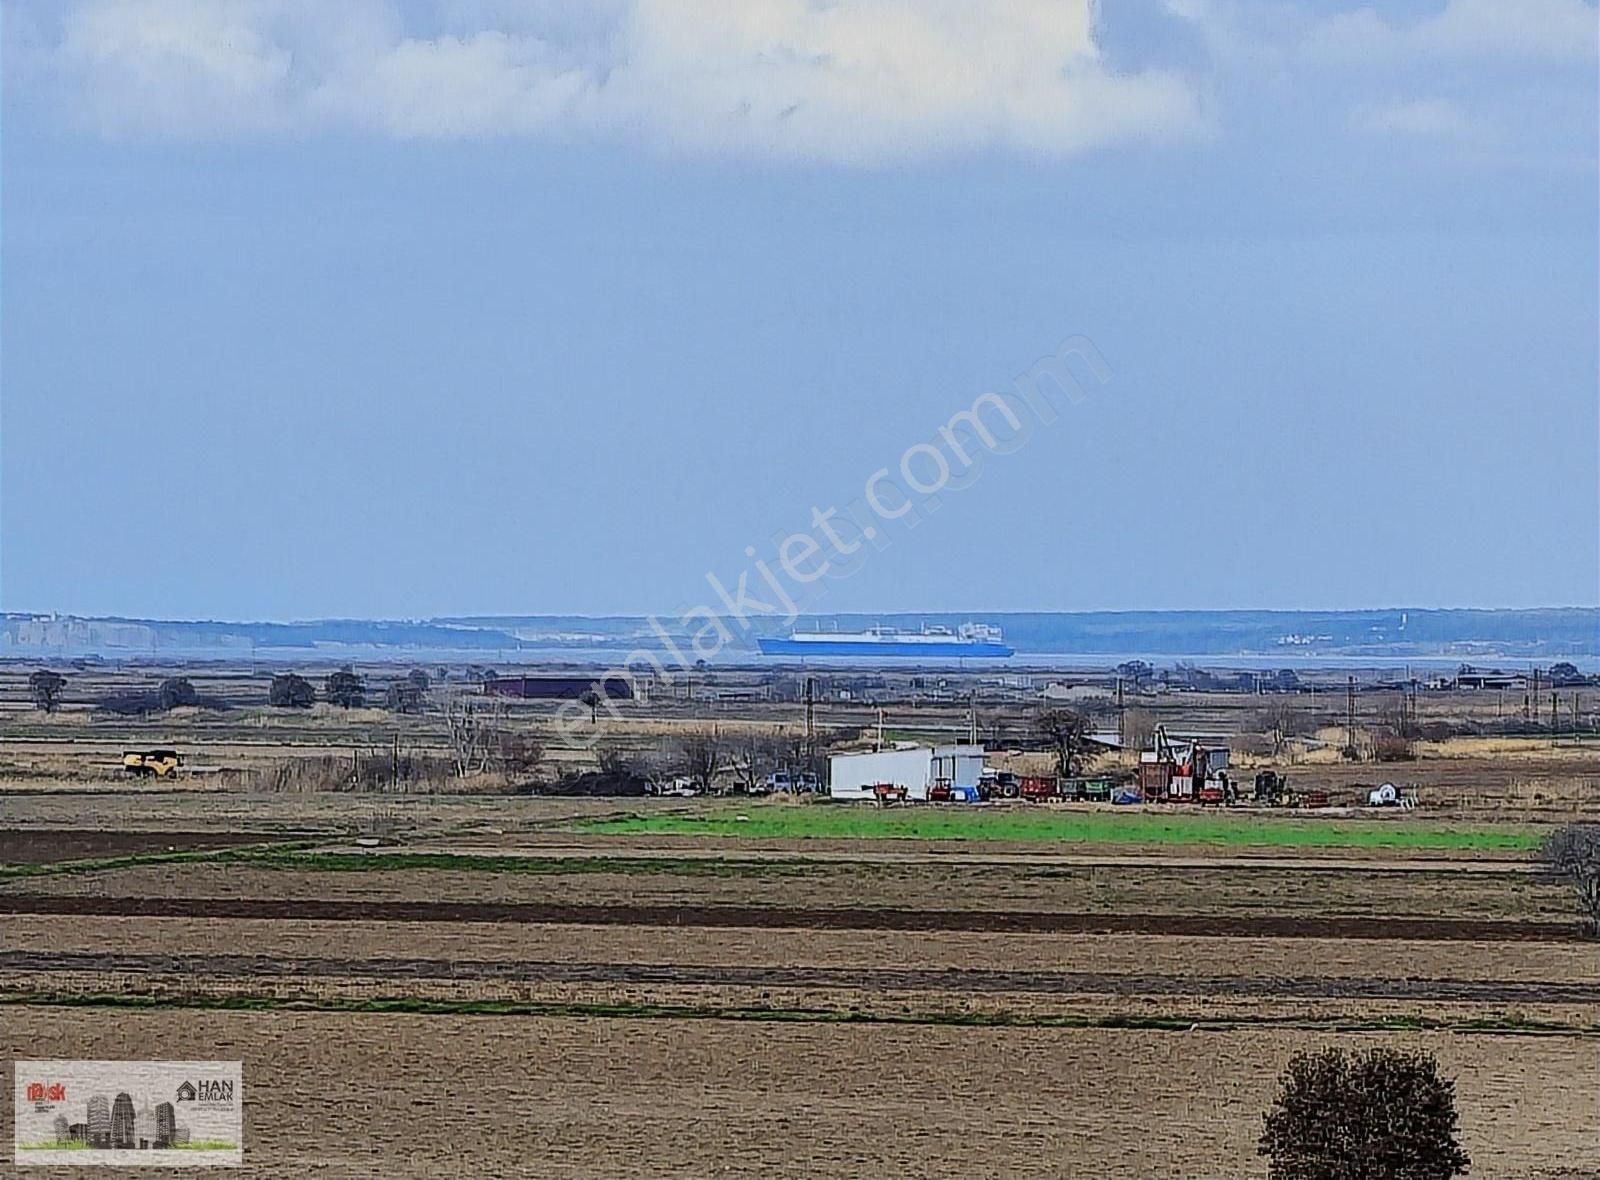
(159, 763)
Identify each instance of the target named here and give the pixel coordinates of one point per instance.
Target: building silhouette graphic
(122, 1122)
(99, 1121)
(166, 1124)
(144, 1127)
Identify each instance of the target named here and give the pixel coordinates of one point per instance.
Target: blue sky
(413, 307)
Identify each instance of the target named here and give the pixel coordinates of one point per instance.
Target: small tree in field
(1067, 734)
(46, 687)
(1574, 853)
(289, 691)
(403, 696)
(1379, 1115)
(176, 693)
(345, 688)
(592, 699)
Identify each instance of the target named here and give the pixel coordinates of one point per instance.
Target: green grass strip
(1040, 824)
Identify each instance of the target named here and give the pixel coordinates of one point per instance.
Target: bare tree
(1574, 853)
(1138, 728)
(700, 755)
(472, 724)
(1281, 721)
(1067, 732)
(517, 751)
(46, 686)
(759, 754)
(591, 698)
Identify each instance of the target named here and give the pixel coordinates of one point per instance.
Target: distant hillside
(1471, 635)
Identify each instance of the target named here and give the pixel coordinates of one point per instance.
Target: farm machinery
(1272, 790)
(1185, 772)
(1043, 788)
(152, 763)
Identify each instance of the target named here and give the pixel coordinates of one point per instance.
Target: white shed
(916, 768)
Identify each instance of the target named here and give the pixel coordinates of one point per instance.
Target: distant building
(915, 768)
(558, 688)
(1475, 678)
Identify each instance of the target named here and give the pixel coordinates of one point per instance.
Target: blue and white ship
(968, 641)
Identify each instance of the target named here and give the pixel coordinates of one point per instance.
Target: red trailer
(1040, 788)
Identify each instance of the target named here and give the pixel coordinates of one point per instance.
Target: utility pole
(1350, 716)
(811, 724)
(1122, 717)
(972, 719)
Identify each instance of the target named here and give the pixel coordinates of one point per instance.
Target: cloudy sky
(410, 307)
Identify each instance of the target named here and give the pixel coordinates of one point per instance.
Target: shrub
(176, 692)
(1379, 1115)
(1389, 746)
(45, 687)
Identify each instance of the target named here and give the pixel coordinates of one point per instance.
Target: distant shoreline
(1305, 640)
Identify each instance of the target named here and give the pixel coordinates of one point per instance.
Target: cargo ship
(968, 641)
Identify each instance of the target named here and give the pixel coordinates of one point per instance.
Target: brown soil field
(763, 917)
(86, 844)
(1262, 892)
(1125, 953)
(971, 980)
(120, 807)
(345, 1096)
(654, 999)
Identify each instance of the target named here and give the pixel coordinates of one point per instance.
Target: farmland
(795, 987)
(783, 975)
(619, 1098)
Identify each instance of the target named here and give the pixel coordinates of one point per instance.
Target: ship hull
(955, 649)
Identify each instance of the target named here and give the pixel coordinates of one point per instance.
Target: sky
(408, 308)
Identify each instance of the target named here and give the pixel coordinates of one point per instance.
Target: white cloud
(1478, 30)
(1429, 117)
(857, 81)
